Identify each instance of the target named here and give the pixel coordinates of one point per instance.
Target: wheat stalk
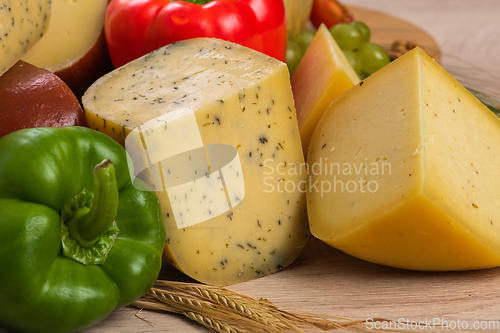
(241, 304)
(225, 311)
(213, 324)
(172, 298)
(207, 313)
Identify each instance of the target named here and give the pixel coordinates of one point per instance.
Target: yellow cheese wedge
(213, 124)
(322, 76)
(22, 24)
(412, 159)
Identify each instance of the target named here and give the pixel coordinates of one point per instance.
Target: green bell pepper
(75, 244)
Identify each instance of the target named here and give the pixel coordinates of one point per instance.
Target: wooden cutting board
(324, 280)
(386, 29)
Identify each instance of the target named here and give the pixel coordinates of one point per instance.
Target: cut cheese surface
(413, 163)
(322, 76)
(206, 123)
(22, 24)
(81, 21)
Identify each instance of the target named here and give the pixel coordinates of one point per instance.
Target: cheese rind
(34, 97)
(415, 168)
(322, 76)
(244, 114)
(22, 24)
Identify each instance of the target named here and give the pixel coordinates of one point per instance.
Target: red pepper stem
(87, 228)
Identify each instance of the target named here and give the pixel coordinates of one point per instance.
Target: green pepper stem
(88, 226)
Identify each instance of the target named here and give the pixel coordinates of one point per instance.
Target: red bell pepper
(136, 27)
(329, 12)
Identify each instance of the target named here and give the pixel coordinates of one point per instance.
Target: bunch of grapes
(353, 39)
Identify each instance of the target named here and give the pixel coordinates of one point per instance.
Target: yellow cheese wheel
(297, 16)
(213, 126)
(406, 171)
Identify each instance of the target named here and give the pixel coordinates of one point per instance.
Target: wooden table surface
(326, 281)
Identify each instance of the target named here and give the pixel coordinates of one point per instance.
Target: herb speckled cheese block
(413, 160)
(215, 124)
(22, 24)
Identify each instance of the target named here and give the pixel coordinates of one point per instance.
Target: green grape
(365, 31)
(354, 61)
(293, 56)
(304, 38)
(348, 36)
(373, 57)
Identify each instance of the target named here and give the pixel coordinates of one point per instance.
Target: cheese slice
(211, 125)
(412, 159)
(22, 24)
(322, 76)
